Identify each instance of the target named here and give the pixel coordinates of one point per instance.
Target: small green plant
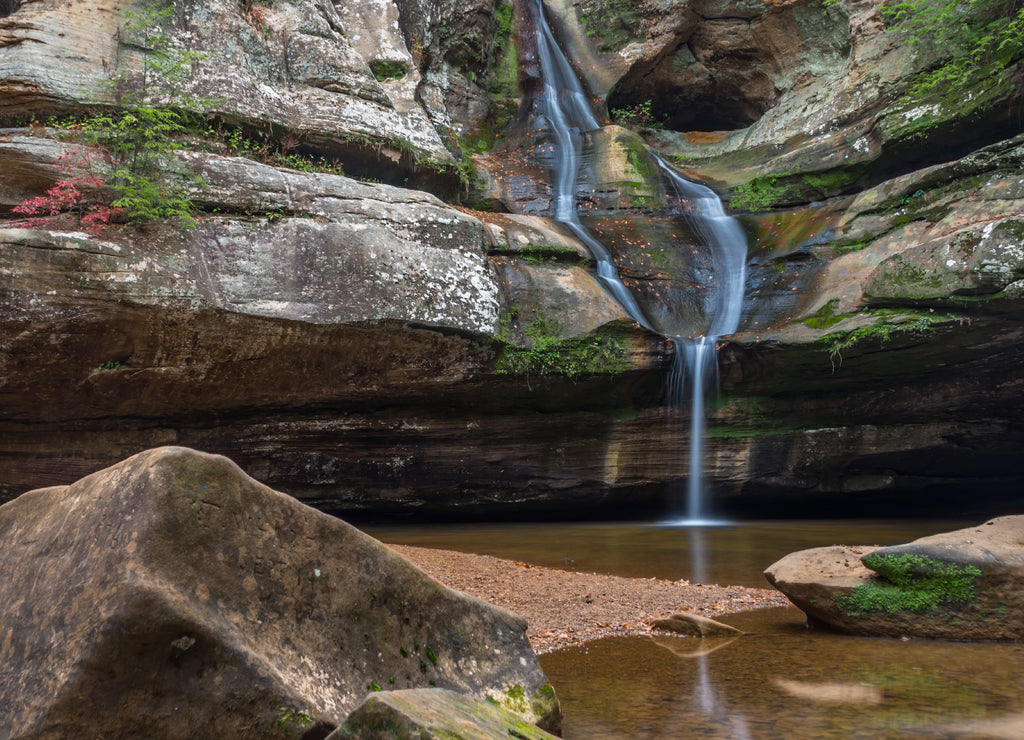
(431, 655)
(290, 721)
(635, 116)
(889, 324)
(374, 686)
(144, 133)
(384, 69)
(109, 365)
(405, 652)
(914, 583)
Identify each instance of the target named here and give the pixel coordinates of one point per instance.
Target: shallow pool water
(779, 680)
(782, 681)
(733, 554)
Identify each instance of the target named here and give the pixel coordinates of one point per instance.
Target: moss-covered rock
(435, 714)
(962, 585)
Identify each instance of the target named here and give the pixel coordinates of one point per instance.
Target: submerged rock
(961, 585)
(171, 596)
(696, 625)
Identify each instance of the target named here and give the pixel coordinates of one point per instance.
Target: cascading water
(697, 357)
(567, 111)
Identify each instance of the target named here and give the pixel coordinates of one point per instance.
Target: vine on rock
(143, 135)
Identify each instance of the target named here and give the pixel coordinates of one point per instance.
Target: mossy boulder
(961, 585)
(436, 714)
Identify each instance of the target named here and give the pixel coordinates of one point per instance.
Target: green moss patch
(547, 353)
(573, 358)
(540, 253)
(789, 188)
(826, 316)
(913, 583)
(613, 24)
(386, 70)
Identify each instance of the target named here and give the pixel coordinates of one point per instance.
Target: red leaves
(61, 197)
(65, 196)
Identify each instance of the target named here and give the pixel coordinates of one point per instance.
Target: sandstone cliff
(350, 341)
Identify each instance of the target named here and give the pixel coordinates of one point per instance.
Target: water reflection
(735, 554)
(781, 681)
(777, 681)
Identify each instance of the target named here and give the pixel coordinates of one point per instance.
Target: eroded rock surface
(307, 304)
(375, 83)
(962, 585)
(173, 596)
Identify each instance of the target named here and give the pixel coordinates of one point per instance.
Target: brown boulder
(961, 585)
(171, 596)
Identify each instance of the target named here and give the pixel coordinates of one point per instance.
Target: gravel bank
(565, 608)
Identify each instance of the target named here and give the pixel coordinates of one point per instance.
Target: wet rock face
(962, 585)
(173, 596)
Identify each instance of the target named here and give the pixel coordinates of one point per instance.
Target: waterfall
(566, 107)
(696, 359)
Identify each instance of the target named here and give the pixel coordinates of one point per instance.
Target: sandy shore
(565, 608)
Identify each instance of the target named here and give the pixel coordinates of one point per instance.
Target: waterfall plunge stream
(567, 109)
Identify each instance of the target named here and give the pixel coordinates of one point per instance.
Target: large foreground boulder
(962, 585)
(172, 596)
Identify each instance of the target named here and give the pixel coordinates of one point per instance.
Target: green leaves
(971, 34)
(156, 109)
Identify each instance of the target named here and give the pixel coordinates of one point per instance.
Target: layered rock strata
(355, 344)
